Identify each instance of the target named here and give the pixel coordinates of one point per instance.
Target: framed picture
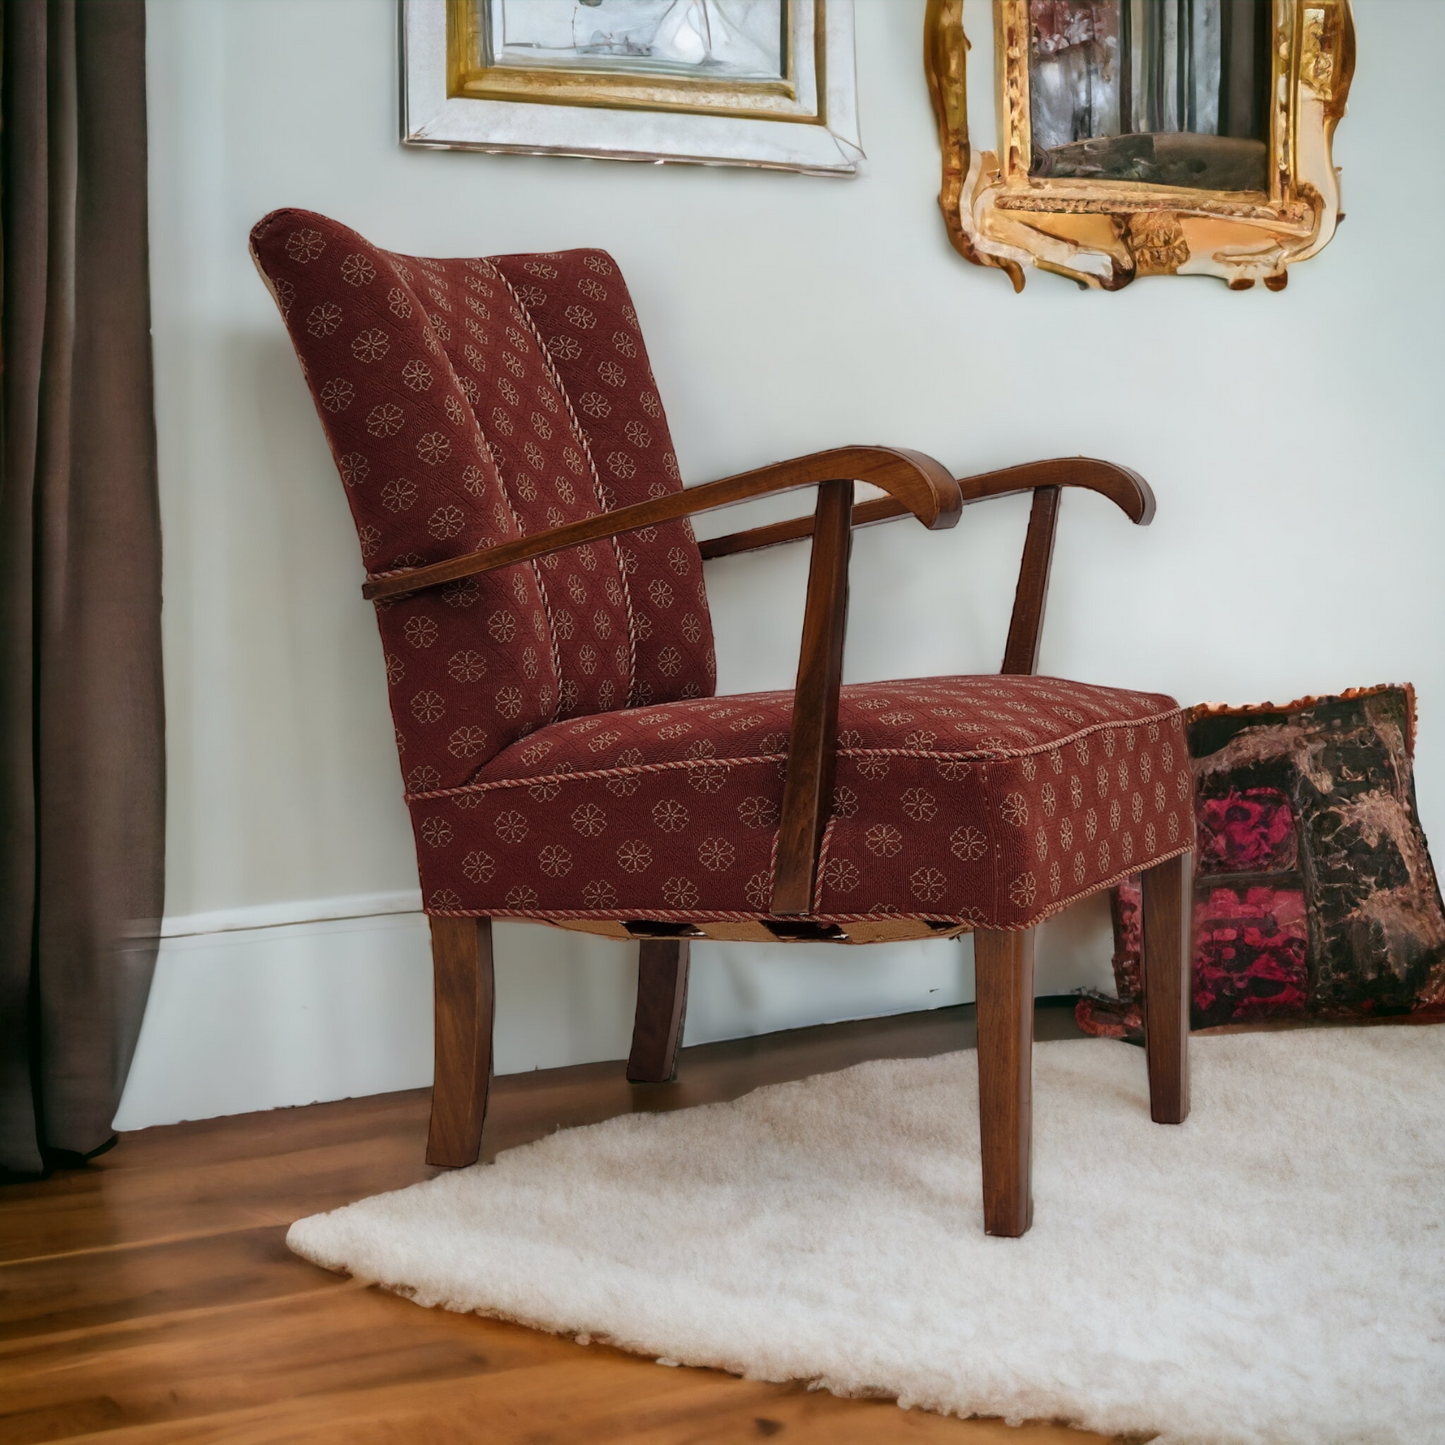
(711, 82)
(1146, 137)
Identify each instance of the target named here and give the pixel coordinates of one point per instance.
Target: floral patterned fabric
(994, 801)
(563, 753)
(468, 403)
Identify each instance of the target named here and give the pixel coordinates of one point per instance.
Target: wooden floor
(150, 1296)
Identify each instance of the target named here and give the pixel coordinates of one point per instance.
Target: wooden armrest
(865, 514)
(1125, 488)
(917, 483)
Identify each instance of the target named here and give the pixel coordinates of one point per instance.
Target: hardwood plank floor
(150, 1296)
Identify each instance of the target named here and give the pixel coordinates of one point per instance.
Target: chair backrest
(469, 402)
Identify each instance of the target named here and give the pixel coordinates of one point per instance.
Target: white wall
(1293, 440)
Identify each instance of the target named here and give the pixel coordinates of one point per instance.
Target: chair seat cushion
(994, 801)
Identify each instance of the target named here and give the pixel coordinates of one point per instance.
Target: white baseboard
(294, 1003)
(261, 1017)
(301, 910)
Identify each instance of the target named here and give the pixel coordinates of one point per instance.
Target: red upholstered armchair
(541, 603)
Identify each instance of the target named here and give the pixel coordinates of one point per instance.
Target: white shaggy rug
(1273, 1271)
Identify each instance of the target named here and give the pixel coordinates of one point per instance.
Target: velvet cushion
(994, 801)
(469, 402)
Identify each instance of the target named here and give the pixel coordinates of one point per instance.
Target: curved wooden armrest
(914, 482)
(1125, 488)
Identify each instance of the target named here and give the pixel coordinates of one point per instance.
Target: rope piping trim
(998, 755)
(822, 865)
(536, 563)
(976, 916)
(396, 260)
(580, 437)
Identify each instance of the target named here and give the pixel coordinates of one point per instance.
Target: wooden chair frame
(917, 485)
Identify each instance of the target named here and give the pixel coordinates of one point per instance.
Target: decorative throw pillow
(1314, 895)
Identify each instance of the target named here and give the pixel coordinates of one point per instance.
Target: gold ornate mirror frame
(1104, 233)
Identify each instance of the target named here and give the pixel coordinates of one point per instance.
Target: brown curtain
(82, 763)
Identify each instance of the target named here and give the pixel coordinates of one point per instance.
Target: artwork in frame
(712, 82)
(1146, 137)
(743, 40)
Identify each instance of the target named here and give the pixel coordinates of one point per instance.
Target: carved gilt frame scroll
(1105, 233)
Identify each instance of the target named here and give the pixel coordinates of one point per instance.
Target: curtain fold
(82, 761)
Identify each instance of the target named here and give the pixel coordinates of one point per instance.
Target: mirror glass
(1170, 92)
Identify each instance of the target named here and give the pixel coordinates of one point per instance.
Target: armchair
(539, 595)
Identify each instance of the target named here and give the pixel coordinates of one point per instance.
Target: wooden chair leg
(1167, 979)
(661, 1005)
(461, 950)
(1004, 974)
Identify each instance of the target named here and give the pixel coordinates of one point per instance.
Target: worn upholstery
(563, 753)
